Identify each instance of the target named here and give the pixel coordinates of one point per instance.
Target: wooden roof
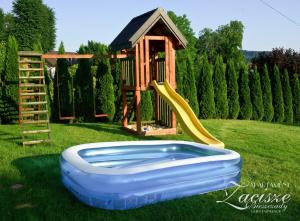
(154, 22)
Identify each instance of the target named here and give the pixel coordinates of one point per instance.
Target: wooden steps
(33, 105)
(31, 77)
(35, 131)
(31, 142)
(30, 69)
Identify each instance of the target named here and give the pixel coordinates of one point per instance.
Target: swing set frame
(71, 56)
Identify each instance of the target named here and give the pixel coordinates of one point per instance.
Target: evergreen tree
(287, 98)
(206, 90)
(256, 95)
(105, 98)
(2, 66)
(180, 66)
(278, 103)
(189, 86)
(146, 106)
(117, 76)
(220, 88)
(64, 99)
(232, 91)
(296, 98)
(33, 21)
(267, 95)
(84, 86)
(1, 25)
(244, 94)
(11, 79)
(37, 47)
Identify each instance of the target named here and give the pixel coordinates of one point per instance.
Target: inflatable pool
(126, 175)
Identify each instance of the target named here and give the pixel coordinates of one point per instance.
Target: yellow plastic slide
(185, 115)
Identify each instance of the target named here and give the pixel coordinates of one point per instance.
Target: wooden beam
(66, 56)
(155, 38)
(119, 56)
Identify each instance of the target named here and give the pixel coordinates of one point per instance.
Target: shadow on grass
(113, 129)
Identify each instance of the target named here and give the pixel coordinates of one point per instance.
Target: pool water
(129, 157)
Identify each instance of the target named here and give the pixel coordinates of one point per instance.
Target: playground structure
(33, 106)
(147, 48)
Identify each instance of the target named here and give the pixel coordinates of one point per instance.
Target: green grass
(270, 154)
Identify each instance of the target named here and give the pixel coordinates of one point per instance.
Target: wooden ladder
(33, 106)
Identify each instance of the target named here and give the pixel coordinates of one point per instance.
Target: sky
(78, 21)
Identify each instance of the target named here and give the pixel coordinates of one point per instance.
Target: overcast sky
(79, 21)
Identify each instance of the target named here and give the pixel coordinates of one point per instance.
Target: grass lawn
(270, 155)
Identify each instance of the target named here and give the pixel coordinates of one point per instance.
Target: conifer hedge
(220, 89)
(287, 98)
(267, 95)
(256, 95)
(232, 91)
(244, 94)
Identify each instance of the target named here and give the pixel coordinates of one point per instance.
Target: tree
(256, 95)
(2, 66)
(287, 98)
(267, 95)
(84, 86)
(232, 91)
(225, 41)
(117, 76)
(189, 85)
(206, 90)
(105, 99)
(146, 106)
(220, 89)
(64, 89)
(244, 94)
(1, 25)
(11, 79)
(278, 103)
(33, 21)
(284, 58)
(296, 98)
(37, 46)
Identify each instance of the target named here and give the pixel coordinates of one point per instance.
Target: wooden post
(124, 107)
(147, 62)
(138, 111)
(137, 67)
(141, 63)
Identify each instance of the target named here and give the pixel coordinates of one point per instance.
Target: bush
(277, 96)
(84, 89)
(11, 80)
(189, 90)
(267, 95)
(287, 98)
(296, 98)
(146, 106)
(232, 91)
(220, 89)
(206, 90)
(105, 98)
(63, 102)
(256, 95)
(244, 94)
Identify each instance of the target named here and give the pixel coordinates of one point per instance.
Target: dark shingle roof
(141, 25)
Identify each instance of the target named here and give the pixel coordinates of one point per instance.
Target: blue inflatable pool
(126, 175)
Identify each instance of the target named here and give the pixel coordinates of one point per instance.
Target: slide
(185, 115)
